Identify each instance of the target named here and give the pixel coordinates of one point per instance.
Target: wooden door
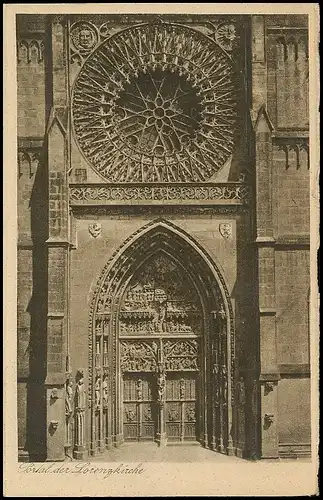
(181, 407)
(139, 407)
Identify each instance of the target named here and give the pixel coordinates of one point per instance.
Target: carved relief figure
(105, 391)
(69, 398)
(173, 414)
(160, 299)
(148, 414)
(80, 404)
(161, 384)
(160, 303)
(84, 37)
(190, 414)
(138, 356)
(130, 414)
(95, 229)
(80, 392)
(68, 412)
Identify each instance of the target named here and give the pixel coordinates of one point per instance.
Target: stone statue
(97, 391)
(105, 390)
(161, 384)
(80, 392)
(69, 398)
(160, 306)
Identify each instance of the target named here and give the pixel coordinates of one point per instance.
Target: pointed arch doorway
(161, 346)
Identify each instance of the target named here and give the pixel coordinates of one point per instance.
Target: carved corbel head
(53, 424)
(269, 419)
(269, 387)
(54, 394)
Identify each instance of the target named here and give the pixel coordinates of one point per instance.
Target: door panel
(139, 409)
(181, 424)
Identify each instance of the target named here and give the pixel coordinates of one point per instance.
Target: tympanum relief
(160, 301)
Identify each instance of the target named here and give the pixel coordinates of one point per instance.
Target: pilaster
(266, 286)
(57, 248)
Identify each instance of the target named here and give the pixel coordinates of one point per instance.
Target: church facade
(163, 234)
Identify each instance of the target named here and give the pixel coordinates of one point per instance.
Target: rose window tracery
(156, 103)
(158, 113)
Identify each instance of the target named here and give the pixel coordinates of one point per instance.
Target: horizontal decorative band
(293, 450)
(30, 142)
(290, 134)
(294, 369)
(294, 241)
(55, 379)
(287, 29)
(267, 311)
(55, 314)
(269, 377)
(229, 193)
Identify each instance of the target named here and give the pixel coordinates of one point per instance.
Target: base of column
(161, 439)
(213, 445)
(68, 451)
(23, 456)
(231, 451)
(80, 453)
(118, 441)
(108, 443)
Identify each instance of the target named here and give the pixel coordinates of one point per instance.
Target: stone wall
(49, 283)
(280, 84)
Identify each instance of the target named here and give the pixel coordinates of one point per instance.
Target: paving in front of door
(150, 452)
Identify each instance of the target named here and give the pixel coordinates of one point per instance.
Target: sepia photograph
(166, 288)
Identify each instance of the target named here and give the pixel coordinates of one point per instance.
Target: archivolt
(155, 236)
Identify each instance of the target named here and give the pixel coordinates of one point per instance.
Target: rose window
(158, 113)
(156, 103)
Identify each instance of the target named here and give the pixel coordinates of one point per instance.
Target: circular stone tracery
(158, 113)
(156, 103)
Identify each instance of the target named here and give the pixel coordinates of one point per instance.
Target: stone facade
(219, 185)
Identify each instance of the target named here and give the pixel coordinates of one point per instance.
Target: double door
(143, 412)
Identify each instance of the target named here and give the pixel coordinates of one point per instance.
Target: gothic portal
(163, 215)
(161, 348)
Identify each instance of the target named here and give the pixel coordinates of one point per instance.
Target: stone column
(161, 399)
(266, 285)
(57, 246)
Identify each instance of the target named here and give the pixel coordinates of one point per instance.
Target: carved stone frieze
(138, 356)
(159, 300)
(83, 211)
(156, 103)
(204, 194)
(181, 355)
